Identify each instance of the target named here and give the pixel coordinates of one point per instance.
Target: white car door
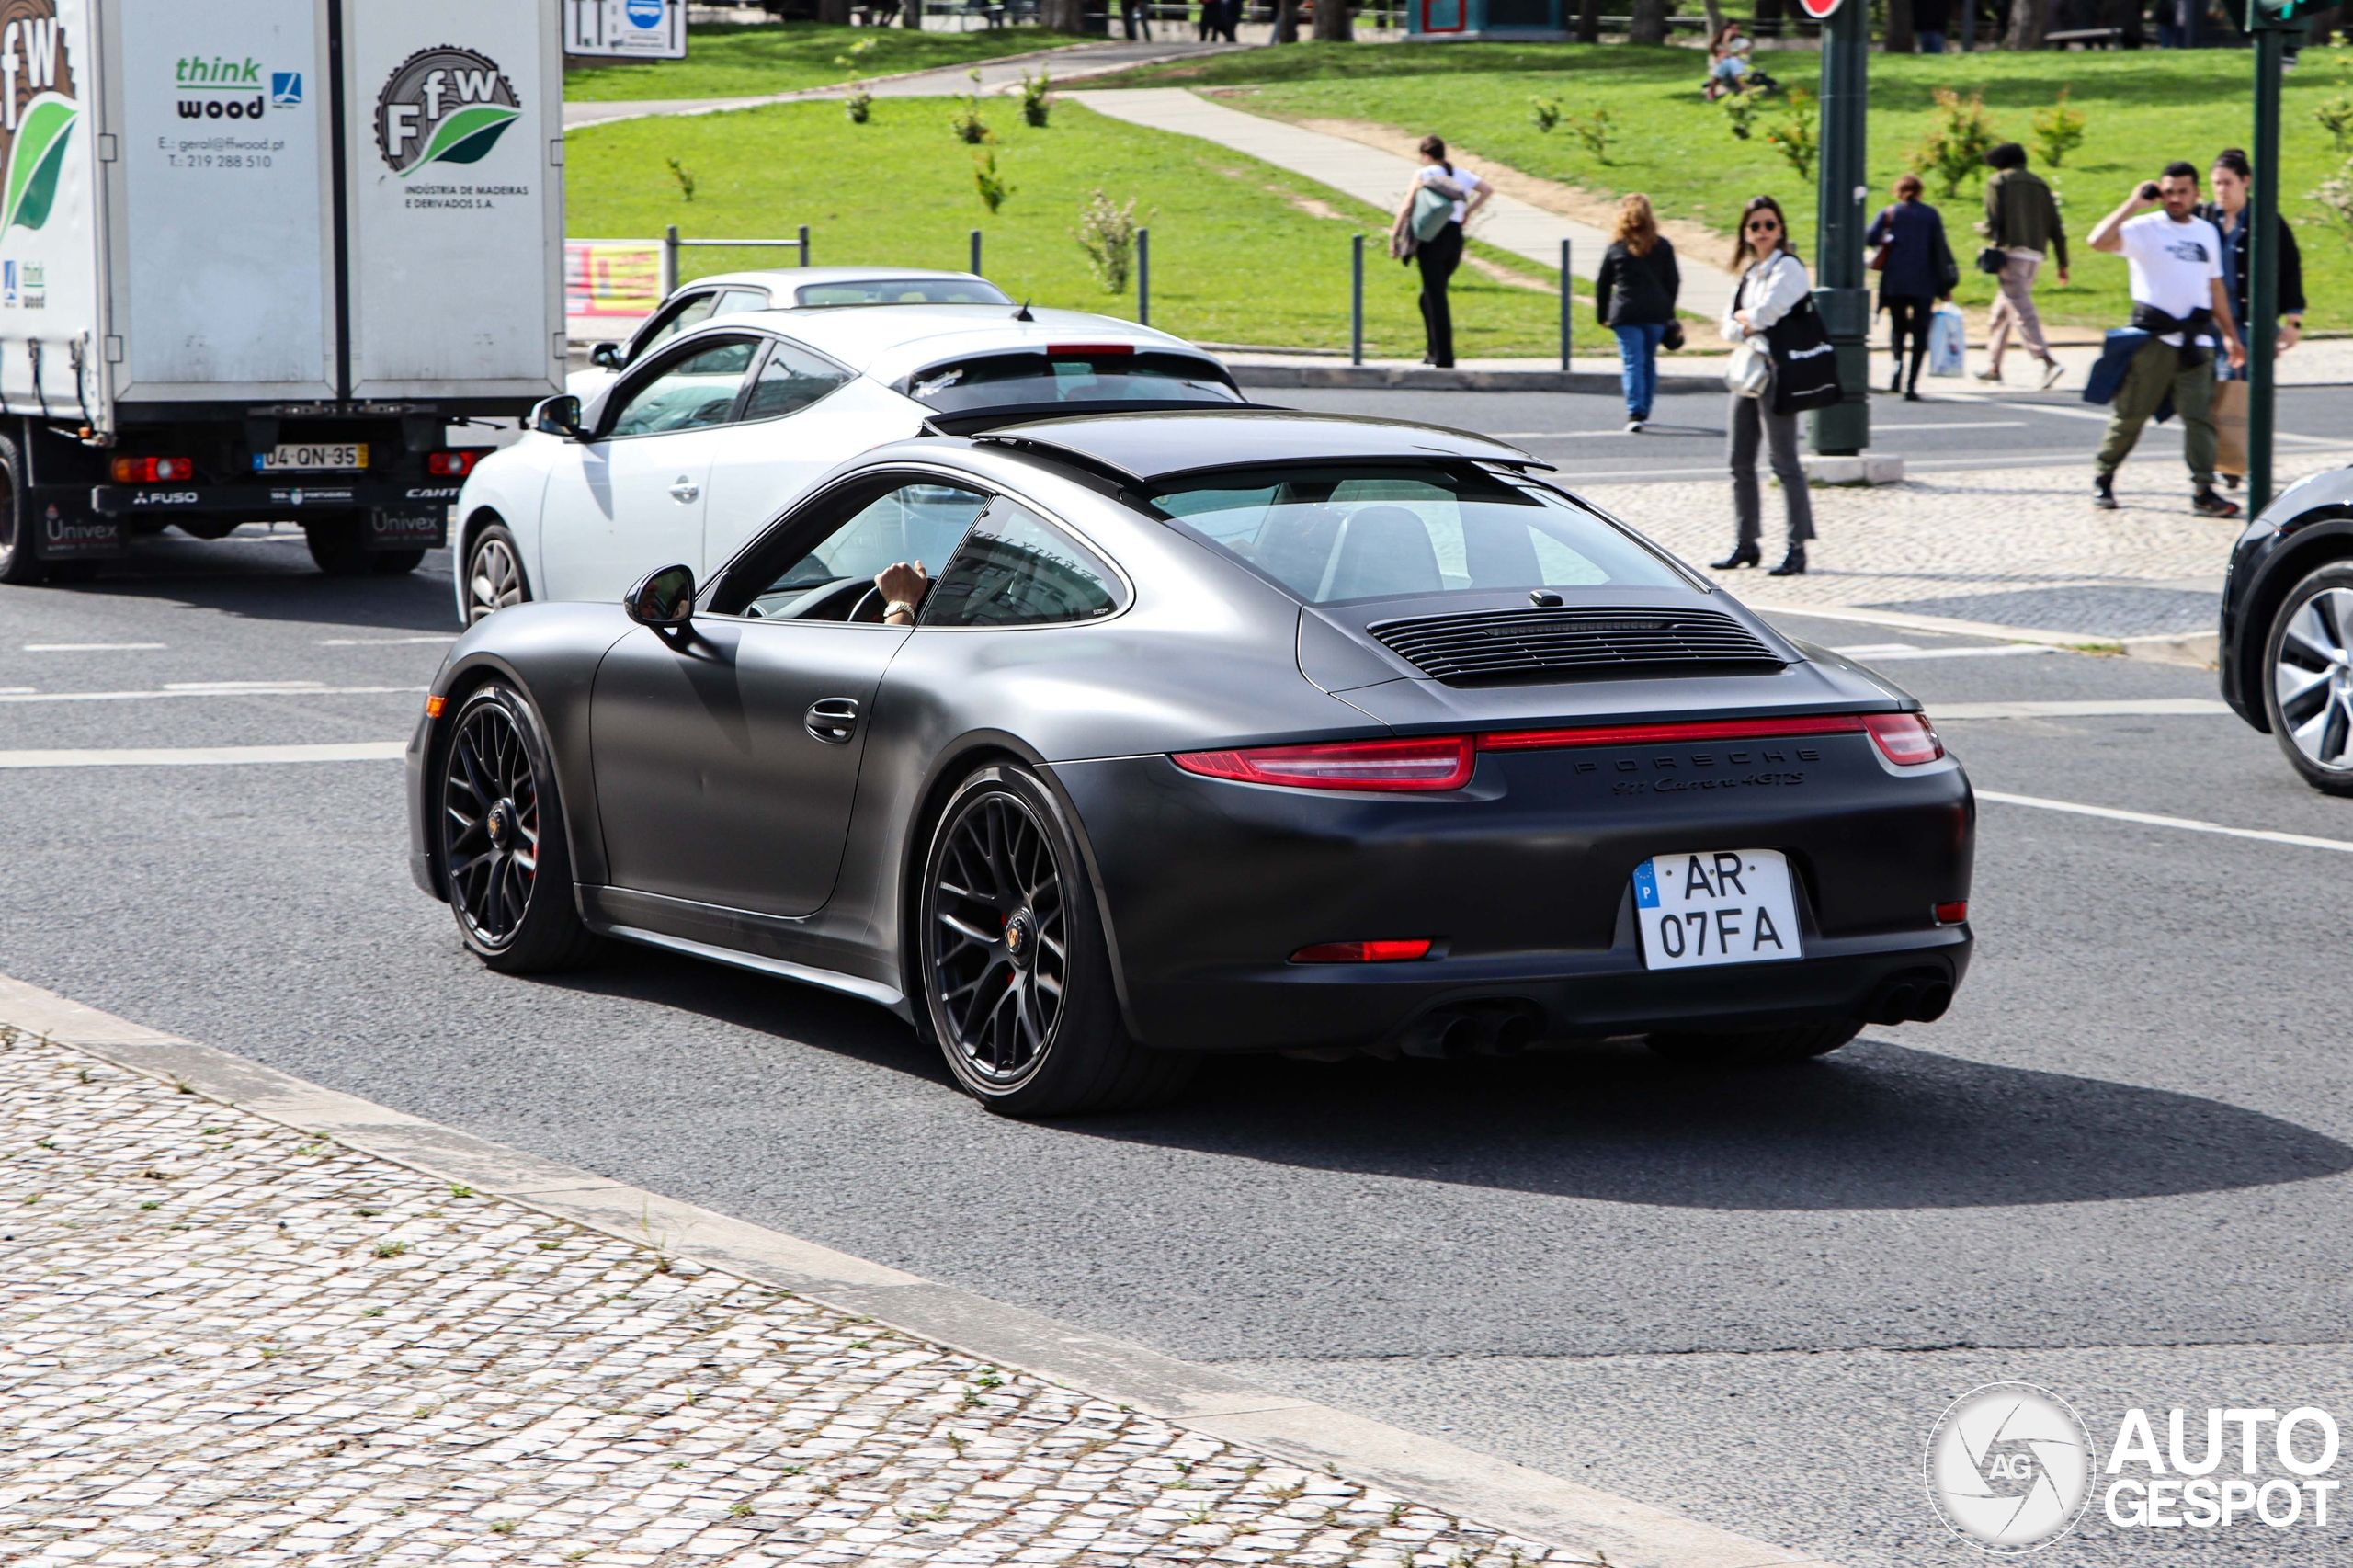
(803, 415)
(631, 499)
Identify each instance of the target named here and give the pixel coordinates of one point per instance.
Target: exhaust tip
(1516, 1034)
(1897, 1006)
(1931, 1004)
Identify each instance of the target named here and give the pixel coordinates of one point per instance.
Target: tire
(2307, 678)
(336, 547)
(1015, 975)
(493, 577)
(394, 563)
(18, 563)
(503, 847)
(1755, 1048)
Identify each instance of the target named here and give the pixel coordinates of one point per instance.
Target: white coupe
(706, 435)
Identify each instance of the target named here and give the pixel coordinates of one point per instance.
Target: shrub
(860, 105)
(2334, 199)
(1544, 113)
(1797, 138)
(684, 176)
(856, 54)
(2335, 116)
(1106, 233)
(1593, 129)
(995, 188)
(1034, 105)
(2058, 130)
(1956, 141)
(966, 122)
(1741, 110)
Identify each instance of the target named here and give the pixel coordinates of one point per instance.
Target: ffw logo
(443, 105)
(37, 110)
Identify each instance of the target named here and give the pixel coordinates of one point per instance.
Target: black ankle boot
(1793, 564)
(1742, 555)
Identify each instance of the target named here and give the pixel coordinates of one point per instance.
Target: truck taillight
(152, 470)
(457, 464)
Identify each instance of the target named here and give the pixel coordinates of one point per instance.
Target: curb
(1424, 377)
(1618, 1530)
(2201, 649)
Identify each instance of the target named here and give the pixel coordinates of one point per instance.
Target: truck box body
(256, 239)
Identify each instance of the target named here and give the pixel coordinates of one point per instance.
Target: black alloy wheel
(503, 846)
(2308, 677)
(18, 563)
(1016, 976)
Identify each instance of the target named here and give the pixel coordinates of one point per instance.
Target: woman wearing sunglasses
(1774, 284)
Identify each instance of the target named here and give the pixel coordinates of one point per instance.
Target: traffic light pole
(1845, 427)
(2260, 331)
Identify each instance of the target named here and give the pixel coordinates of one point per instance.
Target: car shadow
(256, 575)
(1877, 1126)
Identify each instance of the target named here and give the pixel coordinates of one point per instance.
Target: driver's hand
(902, 583)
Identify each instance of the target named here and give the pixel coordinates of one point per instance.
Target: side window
(693, 311)
(733, 300)
(687, 393)
(1016, 568)
(790, 380)
(828, 580)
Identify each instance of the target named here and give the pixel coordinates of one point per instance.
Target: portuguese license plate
(312, 457)
(1716, 906)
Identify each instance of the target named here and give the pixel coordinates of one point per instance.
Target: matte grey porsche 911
(1217, 731)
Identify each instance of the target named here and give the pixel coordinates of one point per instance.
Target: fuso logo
(443, 105)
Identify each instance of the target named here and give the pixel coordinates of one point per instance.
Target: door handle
(833, 720)
(684, 490)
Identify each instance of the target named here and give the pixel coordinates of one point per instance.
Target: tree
(1649, 22)
(1063, 16)
(1332, 22)
(911, 12)
(1901, 38)
(1589, 21)
(1715, 19)
(833, 11)
(2030, 20)
(1286, 21)
(2126, 14)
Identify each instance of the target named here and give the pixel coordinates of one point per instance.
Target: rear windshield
(902, 292)
(1330, 532)
(1075, 376)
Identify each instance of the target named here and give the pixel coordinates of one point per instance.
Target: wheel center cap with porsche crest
(501, 825)
(1021, 937)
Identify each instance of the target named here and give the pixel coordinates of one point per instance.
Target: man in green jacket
(2022, 222)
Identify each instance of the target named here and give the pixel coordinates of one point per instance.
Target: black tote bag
(1805, 364)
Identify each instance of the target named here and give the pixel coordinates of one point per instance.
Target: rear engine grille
(1500, 647)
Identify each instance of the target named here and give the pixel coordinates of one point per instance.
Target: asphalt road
(2119, 1167)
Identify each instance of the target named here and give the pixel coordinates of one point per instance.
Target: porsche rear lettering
(1707, 759)
(1722, 781)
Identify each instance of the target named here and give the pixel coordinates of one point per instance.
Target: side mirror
(557, 416)
(608, 355)
(663, 599)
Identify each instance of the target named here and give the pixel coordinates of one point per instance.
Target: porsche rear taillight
(1425, 762)
(1904, 739)
(1390, 952)
(1671, 732)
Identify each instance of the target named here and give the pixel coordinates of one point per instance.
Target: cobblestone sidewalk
(223, 1340)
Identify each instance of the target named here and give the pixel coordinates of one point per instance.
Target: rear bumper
(94, 519)
(1523, 879)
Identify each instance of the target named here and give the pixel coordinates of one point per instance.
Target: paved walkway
(1068, 63)
(1379, 180)
(227, 1341)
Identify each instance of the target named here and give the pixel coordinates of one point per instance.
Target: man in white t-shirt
(2179, 298)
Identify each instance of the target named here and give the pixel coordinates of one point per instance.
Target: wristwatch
(898, 607)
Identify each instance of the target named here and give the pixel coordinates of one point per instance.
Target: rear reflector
(1905, 738)
(1090, 349)
(434, 705)
(1430, 762)
(1952, 914)
(1655, 734)
(1362, 952)
(152, 470)
(457, 463)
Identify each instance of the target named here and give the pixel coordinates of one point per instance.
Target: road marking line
(383, 642)
(2089, 707)
(1881, 652)
(2187, 824)
(287, 689)
(89, 647)
(197, 756)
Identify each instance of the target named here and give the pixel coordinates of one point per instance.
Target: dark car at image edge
(1223, 731)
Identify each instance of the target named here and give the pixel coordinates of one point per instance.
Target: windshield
(902, 292)
(1332, 531)
(1090, 376)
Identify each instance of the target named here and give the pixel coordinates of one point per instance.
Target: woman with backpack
(1633, 295)
(1916, 269)
(1774, 285)
(1428, 229)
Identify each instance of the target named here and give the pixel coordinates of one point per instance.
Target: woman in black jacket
(1633, 295)
(1915, 270)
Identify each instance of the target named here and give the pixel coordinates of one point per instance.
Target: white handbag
(1750, 370)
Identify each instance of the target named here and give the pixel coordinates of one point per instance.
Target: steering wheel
(869, 606)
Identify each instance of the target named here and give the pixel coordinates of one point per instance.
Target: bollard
(1355, 300)
(670, 261)
(1567, 306)
(976, 253)
(804, 244)
(1144, 276)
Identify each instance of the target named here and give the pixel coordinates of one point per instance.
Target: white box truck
(257, 255)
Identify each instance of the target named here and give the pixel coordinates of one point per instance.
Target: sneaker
(1634, 426)
(2051, 371)
(2205, 504)
(2104, 492)
(1994, 375)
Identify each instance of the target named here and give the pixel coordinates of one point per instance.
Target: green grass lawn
(2145, 108)
(1238, 253)
(743, 62)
